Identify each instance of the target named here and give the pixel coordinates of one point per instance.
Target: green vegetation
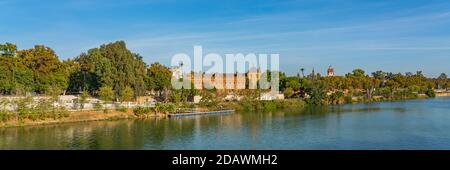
(165, 108)
(106, 94)
(160, 108)
(142, 111)
(357, 86)
(111, 65)
(127, 94)
(430, 93)
(83, 98)
(112, 72)
(26, 109)
(258, 105)
(121, 109)
(31, 70)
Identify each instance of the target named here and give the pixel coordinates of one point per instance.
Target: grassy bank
(255, 105)
(42, 115)
(78, 116)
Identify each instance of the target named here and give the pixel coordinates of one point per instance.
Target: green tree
(317, 90)
(288, 92)
(54, 92)
(110, 65)
(7, 68)
(46, 68)
(357, 73)
(159, 80)
(127, 94)
(303, 72)
(83, 98)
(106, 94)
(442, 81)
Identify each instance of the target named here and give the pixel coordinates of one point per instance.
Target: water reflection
(418, 124)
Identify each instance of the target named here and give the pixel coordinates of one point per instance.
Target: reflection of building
(330, 71)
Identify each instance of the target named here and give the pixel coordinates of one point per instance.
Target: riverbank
(444, 94)
(271, 105)
(162, 110)
(147, 112)
(347, 127)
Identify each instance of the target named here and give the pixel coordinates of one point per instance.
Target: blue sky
(392, 35)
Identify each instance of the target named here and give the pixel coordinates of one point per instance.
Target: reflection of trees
(177, 133)
(93, 135)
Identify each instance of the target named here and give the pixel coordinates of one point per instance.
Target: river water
(413, 124)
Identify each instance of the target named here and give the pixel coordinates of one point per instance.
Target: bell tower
(330, 71)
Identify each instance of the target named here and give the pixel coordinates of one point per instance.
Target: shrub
(6, 115)
(139, 111)
(98, 106)
(41, 110)
(430, 93)
(165, 108)
(121, 109)
(270, 105)
(255, 105)
(348, 99)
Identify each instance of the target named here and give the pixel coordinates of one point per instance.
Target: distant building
(330, 71)
(227, 81)
(177, 72)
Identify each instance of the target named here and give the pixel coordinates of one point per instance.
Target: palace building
(229, 81)
(330, 72)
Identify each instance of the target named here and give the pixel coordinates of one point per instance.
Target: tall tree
(7, 52)
(127, 94)
(110, 65)
(106, 94)
(47, 69)
(159, 80)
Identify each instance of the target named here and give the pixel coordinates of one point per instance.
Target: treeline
(109, 67)
(32, 70)
(114, 73)
(379, 85)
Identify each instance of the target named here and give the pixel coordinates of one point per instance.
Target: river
(412, 124)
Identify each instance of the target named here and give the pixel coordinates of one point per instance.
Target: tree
(127, 94)
(430, 93)
(184, 95)
(294, 83)
(159, 79)
(83, 98)
(209, 97)
(110, 65)
(47, 70)
(369, 86)
(380, 75)
(54, 92)
(303, 72)
(289, 92)
(8, 52)
(317, 90)
(442, 81)
(357, 73)
(106, 94)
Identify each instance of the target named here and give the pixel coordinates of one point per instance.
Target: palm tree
(303, 72)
